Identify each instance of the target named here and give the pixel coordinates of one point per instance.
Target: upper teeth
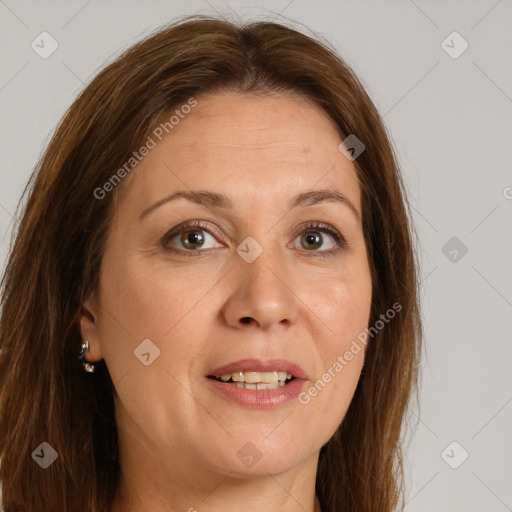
(257, 377)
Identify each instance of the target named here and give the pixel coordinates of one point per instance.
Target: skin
(179, 439)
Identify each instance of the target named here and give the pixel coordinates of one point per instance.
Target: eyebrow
(213, 200)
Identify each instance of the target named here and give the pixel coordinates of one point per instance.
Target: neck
(272, 498)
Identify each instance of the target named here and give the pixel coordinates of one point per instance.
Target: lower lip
(259, 399)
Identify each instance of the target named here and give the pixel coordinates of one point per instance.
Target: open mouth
(256, 380)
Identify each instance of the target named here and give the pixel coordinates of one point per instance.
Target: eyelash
(201, 226)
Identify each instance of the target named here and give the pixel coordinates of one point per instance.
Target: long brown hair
(54, 263)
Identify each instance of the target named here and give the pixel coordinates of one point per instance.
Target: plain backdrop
(448, 109)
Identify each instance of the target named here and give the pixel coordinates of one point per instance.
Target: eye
(313, 238)
(192, 238)
(189, 238)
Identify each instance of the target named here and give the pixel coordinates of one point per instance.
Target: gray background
(450, 120)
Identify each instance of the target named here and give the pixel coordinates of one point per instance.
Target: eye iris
(312, 239)
(190, 238)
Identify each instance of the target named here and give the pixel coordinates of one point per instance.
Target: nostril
(246, 320)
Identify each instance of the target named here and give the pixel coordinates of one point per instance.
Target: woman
(211, 303)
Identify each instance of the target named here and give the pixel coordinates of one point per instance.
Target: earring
(88, 367)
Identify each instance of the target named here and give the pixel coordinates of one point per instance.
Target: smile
(256, 380)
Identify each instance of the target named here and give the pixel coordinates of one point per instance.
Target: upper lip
(256, 365)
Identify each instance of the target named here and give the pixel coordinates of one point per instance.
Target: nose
(263, 294)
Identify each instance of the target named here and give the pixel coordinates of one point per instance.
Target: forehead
(245, 145)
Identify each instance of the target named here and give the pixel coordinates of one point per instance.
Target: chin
(260, 455)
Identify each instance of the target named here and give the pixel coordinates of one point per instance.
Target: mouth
(258, 384)
(256, 380)
(253, 371)
(257, 389)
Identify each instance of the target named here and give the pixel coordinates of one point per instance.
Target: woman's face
(263, 278)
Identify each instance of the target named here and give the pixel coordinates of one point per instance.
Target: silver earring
(88, 367)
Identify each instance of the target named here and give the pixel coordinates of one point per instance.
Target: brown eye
(192, 239)
(311, 240)
(320, 239)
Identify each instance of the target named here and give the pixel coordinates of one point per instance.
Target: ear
(88, 320)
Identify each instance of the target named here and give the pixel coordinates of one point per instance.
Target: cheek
(328, 398)
(342, 310)
(141, 303)
(341, 352)
(151, 300)
(342, 313)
